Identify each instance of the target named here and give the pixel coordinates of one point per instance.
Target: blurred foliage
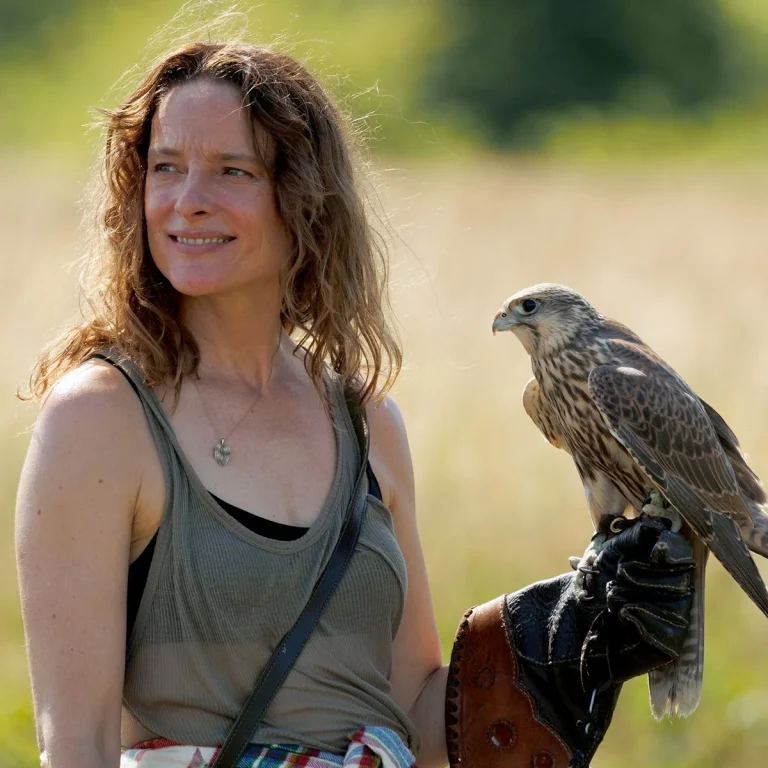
(364, 51)
(427, 77)
(18, 748)
(725, 136)
(512, 65)
(23, 22)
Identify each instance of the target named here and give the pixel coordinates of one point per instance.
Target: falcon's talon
(579, 583)
(655, 499)
(584, 571)
(668, 515)
(574, 561)
(585, 565)
(579, 590)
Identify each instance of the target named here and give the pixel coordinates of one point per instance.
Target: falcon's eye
(529, 306)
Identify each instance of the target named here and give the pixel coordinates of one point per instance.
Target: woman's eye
(236, 172)
(163, 168)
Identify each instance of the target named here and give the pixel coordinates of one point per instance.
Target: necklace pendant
(222, 453)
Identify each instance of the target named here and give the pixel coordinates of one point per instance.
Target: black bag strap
(290, 647)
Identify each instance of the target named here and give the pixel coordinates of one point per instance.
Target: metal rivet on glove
(484, 678)
(502, 734)
(543, 760)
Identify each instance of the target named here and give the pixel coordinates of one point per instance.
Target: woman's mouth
(201, 240)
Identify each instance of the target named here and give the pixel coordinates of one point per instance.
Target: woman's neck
(238, 340)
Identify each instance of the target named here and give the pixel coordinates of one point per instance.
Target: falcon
(642, 442)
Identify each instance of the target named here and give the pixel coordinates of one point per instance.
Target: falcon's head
(546, 317)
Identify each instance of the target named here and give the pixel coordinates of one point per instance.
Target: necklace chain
(222, 451)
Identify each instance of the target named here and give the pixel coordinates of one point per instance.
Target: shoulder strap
(290, 647)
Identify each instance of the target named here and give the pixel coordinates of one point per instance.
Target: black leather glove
(575, 650)
(535, 675)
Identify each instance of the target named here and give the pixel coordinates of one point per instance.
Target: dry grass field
(677, 254)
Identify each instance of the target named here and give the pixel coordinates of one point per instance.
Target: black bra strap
(373, 484)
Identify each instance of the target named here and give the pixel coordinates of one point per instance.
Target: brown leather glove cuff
(491, 722)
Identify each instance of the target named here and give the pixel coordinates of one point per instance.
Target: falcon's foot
(657, 506)
(608, 527)
(584, 565)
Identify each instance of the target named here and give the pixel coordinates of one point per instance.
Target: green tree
(22, 21)
(511, 64)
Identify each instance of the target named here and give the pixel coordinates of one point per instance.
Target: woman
(189, 470)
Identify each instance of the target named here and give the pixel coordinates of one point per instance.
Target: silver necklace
(222, 451)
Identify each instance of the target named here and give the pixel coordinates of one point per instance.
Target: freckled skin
(632, 425)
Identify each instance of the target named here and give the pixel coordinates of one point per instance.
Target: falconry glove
(535, 675)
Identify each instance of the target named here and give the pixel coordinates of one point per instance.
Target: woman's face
(209, 204)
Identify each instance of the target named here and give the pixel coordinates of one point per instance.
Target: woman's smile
(200, 243)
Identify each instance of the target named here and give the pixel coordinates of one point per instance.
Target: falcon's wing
(667, 431)
(749, 482)
(632, 352)
(542, 414)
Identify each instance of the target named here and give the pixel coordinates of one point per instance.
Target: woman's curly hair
(335, 282)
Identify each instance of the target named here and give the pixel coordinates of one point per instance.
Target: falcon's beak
(502, 322)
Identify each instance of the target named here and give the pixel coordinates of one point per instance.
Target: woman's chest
(214, 580)
(281, 463)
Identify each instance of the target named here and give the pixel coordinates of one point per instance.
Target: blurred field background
(621, 150)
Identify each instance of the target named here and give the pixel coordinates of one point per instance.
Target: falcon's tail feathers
(676, 688)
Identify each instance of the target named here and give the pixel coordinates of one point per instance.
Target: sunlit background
(617, 146)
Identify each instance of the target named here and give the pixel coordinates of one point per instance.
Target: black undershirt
(138, 571)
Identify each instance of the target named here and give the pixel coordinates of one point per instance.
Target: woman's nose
(194, 197)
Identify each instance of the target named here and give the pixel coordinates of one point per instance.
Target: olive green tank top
(220, 597)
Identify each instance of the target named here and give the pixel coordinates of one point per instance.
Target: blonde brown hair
(335, 283)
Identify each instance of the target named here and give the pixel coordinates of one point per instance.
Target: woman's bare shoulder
(94, 383)
(390, 454)
(387, 419)
(91, 417)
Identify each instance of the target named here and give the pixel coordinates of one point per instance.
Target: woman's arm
(418, 676)
(77, 496)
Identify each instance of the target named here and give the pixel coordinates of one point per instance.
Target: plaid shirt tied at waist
(370, 747)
